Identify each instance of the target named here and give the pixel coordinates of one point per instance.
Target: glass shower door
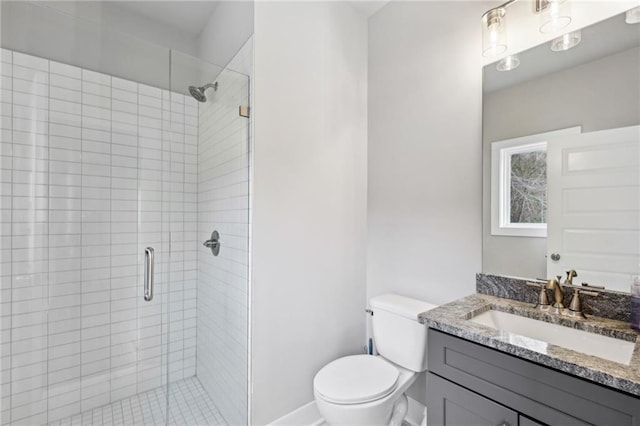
(83, 193)
(109, 168)
(212, 203)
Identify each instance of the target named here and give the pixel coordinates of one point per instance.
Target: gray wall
(309, 205)
(424, 196)
(46, 32)
(599, 95)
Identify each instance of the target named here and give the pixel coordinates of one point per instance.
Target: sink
(536, 335)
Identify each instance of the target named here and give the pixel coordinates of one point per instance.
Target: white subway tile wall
(93, 170)
(223, 204)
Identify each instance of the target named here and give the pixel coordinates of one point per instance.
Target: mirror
(561, 160)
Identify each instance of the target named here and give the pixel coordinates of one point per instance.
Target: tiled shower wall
(93, 170)
(223, 204)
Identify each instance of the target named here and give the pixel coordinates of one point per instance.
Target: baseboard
(308, 415)
(416, 413)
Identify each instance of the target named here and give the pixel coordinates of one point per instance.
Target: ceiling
(368, 7)
(187, 16)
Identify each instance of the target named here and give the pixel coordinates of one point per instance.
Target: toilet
(370, 390)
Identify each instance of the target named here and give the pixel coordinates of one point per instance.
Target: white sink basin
(535, 335)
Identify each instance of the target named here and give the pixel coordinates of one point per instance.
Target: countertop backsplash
(608, 304)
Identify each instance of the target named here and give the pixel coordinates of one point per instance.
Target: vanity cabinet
(471, 384)
(453, 405)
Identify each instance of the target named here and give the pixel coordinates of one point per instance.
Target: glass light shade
(566, 42)
(494, 33)
(633, 16)
(555, 16)
(509, 63)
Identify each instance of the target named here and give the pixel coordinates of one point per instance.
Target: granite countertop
(453, 317)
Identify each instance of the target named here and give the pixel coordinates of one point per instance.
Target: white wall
(309, 212)
(229, 27)
(424, 196)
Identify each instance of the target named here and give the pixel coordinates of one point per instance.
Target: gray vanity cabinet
(471, 384)
(453, 405)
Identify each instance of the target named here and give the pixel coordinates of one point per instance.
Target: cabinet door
(453, 405)
(526, 421)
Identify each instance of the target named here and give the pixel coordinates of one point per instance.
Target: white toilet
(370, 390)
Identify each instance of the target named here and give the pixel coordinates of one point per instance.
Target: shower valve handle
(213, 243)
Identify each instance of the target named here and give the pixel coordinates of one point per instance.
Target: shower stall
(119, 304)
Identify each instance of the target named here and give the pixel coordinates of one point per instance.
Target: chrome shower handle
(213, 243)
(148, 273)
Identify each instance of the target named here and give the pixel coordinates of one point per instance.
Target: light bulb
(566, 41)
(494, 33)
(556, 16)
(508, 63)
(632, 16)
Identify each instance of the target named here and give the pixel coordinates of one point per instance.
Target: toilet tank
(398, 335)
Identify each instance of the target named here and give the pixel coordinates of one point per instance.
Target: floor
(188, 401)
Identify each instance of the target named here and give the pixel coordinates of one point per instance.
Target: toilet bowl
(370, 390)
(362, 390)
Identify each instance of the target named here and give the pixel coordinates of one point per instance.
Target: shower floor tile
(189, 404)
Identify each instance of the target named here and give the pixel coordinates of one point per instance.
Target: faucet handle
(575, 307)
(543, 298)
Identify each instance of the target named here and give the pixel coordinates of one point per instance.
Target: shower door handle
(148, 273)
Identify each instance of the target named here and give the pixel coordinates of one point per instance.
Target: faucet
(575, 307)
(571, 274)
(543, 299)
(558, 295)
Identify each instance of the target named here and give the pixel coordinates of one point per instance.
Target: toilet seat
(356, 379)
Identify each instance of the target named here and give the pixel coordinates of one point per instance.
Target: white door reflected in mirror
(593, 216)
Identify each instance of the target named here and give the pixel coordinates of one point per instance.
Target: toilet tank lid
(400, 305)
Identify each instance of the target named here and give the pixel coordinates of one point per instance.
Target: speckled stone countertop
(453, 318)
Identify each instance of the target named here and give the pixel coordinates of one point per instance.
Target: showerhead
(198, 92)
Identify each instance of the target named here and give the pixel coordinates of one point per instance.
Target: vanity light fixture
(633, 16)
(566, 41)
(494, 31)
(554, 15)
(508, 63)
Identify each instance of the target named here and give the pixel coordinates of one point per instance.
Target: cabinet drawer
(453, 405)
(538, 392)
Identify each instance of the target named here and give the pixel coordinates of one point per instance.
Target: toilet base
(368, 414)
(374, 413)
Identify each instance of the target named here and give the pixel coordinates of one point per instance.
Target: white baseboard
(308, 415)
(416, 413)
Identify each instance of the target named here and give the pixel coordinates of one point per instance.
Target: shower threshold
(189, 404)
